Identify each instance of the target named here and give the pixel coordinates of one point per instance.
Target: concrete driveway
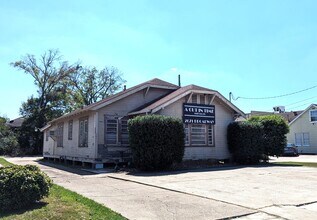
(272, 192)
(300, 158)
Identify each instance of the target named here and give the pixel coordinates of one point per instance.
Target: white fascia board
(179, 97)
(308, 108)
(45, 127)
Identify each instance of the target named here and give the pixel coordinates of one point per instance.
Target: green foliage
(49, 72)
(89, 85)
(21, 186)
(156, 141)
(8, 142)
(61, 87)
(245, 142)
(275, 130)
(257, 139)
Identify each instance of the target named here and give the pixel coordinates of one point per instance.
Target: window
(70, 130)
(116, 131)
(194, 99)
(111, 131)
(83, 132)
(313, 115)
(47, 134)
(302, 139)
(124, 132)
(59, 134)
(198, 135)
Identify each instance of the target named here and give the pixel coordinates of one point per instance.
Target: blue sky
(250, 48)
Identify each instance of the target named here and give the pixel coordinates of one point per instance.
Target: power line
(296, 103)
(271, 97)
(305, 104)
(300, 101)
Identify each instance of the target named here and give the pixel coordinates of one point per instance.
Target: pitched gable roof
(180, 93)
(308, 108)
(154, 83)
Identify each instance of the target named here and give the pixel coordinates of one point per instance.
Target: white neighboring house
(98, 133)
(303, 131)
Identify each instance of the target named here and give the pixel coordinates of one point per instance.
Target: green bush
(245, 142)
(21, 186)
(156, 141)
(8, 142)
(275, 130)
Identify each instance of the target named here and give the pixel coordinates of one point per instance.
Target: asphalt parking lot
(257, 192)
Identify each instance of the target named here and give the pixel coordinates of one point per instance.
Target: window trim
(310, 115)
(60, 135)
(118, 120)
(301, 136)
(79, 135)
(188, 136)
(70, 129)
(47, 135)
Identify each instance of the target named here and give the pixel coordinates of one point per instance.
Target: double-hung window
(199, 135)
(59, 134)
(302, 139)
(313, 115)
(116, 131)
(70, 130)
(83, 132)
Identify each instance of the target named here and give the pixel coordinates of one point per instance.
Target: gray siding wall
(71, 147)
(122, 108)
(224, 116)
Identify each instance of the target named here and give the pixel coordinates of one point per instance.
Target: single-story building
(303, 131)
(98, 133)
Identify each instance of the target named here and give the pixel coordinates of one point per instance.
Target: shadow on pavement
(72, 169)
(210, 169)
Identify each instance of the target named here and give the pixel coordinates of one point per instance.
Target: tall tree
(90, 85)
(50, 74)
(8, 140)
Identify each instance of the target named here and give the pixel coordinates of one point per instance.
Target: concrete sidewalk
(259, 192)
(138, 201)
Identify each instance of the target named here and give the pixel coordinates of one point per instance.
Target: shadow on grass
(34, 206)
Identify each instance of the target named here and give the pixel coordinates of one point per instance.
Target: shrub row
(257, 139)
(156, 141)
(21, 186)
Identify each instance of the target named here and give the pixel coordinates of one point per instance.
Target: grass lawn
(62, 204)
(305, 164)
(3, 162)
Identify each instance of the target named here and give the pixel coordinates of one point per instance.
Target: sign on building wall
(198, 114)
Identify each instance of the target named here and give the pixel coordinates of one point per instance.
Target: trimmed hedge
(245, 142)
(275, 130)
(156, 141)
(21, 186)
(257, 139)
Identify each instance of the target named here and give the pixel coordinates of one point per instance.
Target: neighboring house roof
(180, 93)
(303, 112)
(15, 123)
(154, 83)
